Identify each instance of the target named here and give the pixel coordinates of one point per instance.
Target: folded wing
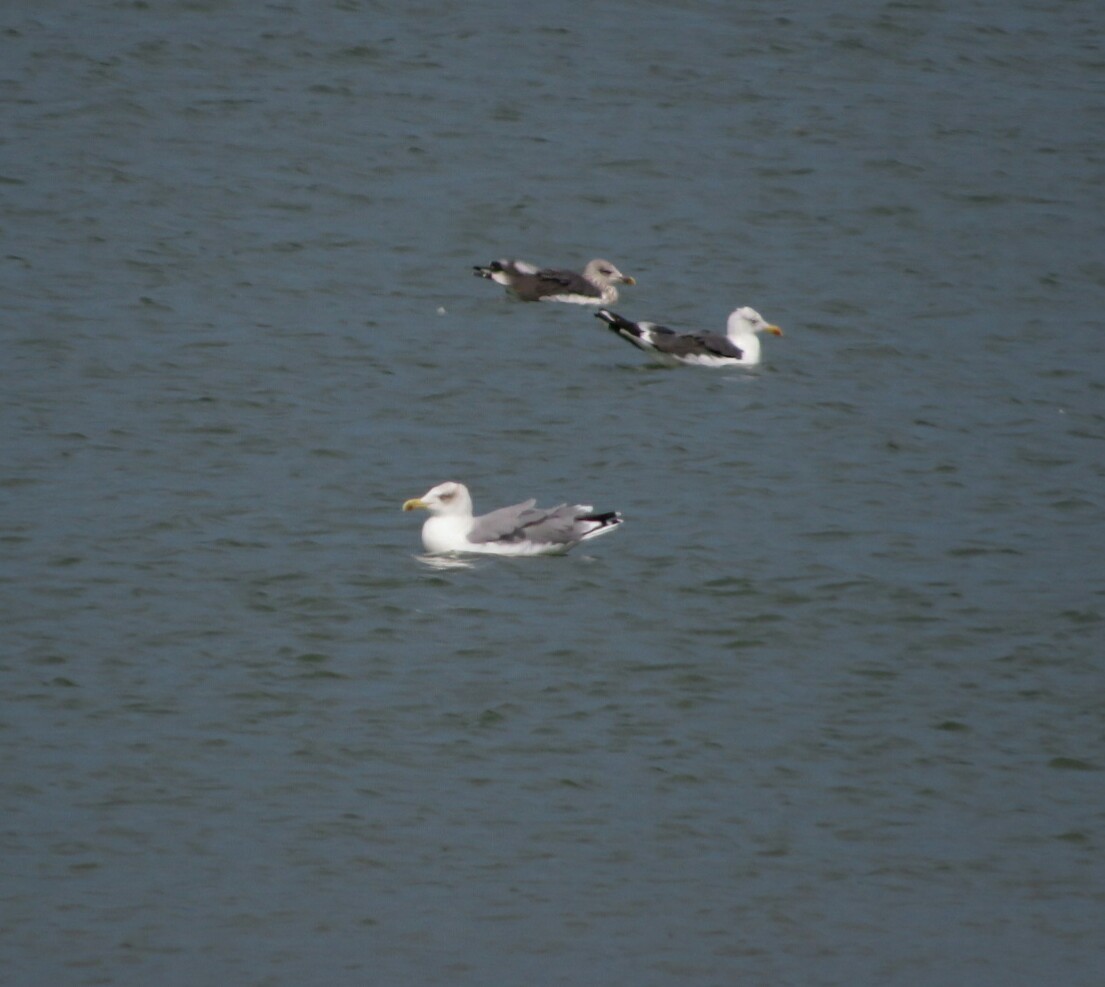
(564, 524)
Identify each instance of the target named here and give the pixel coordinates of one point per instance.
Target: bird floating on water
(738, 347)
(596, 285)
(522, 529)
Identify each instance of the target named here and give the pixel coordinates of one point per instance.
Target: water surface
(826, 710)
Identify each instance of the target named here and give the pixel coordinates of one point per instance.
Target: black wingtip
(486, 270)
(606, 519)
(618, 324)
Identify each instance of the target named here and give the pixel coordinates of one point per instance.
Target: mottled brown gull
(596, 285)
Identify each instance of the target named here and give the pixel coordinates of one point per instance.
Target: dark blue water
(826, 710)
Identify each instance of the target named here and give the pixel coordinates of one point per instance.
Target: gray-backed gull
(739, 347)
(519, 530)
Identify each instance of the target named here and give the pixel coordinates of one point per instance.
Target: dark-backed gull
(519, 530)
(739, 347)
(595, 286)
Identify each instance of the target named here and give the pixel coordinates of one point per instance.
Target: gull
(739, 347)
(522, 529)
(595, 286)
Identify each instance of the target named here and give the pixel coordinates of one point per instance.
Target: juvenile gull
(595, 286)
(739, 347)
(519, 530)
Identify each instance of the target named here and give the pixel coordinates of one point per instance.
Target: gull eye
(449, 495)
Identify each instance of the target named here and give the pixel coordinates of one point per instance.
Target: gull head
(448, 498)
(601, 271)
(745, 320)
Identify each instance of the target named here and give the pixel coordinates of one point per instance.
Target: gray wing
(694, 344)
(532, 287)
(556, 526)
(503, 524)
(524, 522)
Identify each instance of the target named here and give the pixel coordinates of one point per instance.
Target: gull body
(522, 529)
(738, 347)
(595, 285)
